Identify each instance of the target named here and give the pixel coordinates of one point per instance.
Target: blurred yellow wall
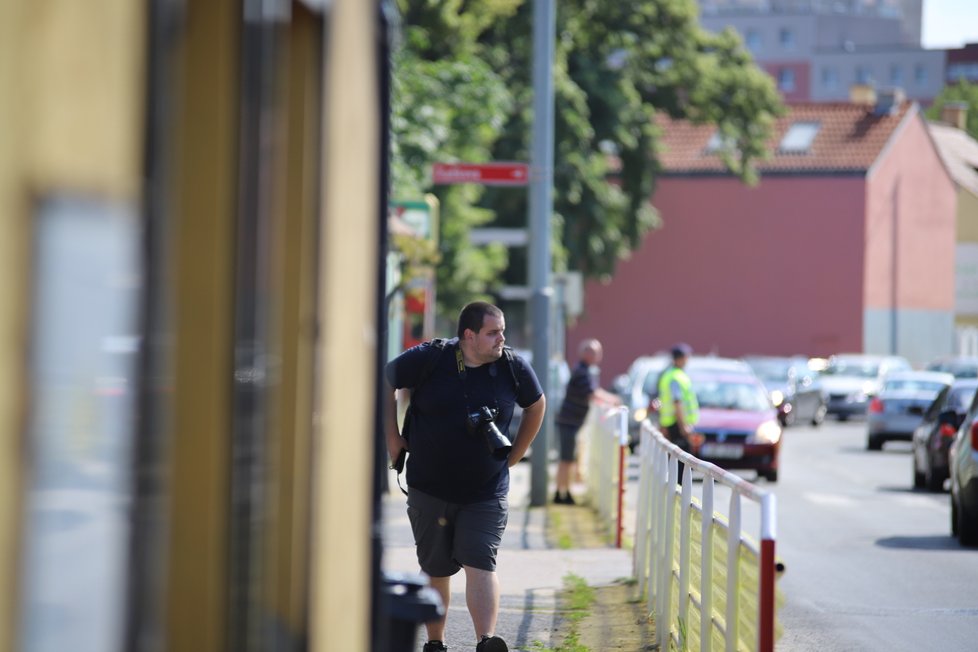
(71, 93)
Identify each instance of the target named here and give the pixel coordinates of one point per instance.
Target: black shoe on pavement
(434, 646)
(564, 499)
(492, 644)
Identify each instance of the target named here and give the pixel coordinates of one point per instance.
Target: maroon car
(738, 426)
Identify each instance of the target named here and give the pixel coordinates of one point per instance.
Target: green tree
(462, 91)
(962, 91)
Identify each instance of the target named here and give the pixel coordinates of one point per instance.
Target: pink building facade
(802, 263)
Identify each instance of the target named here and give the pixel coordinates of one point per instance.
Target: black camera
(483, 422)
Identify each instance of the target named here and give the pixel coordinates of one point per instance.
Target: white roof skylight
(799, 138)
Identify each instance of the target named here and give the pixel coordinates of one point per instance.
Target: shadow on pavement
(926, 542)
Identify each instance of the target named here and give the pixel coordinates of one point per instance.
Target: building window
(787, 39)
(753, 41)
(830, 78)
(959, 71)
(920, 74)
(863, 75)
(718, 142)
(896, 75)
(786, 80)
(799, 138)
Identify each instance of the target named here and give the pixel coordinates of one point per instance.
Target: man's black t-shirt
(577, 397)
(447, 460)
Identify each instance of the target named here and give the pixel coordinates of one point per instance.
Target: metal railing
(604, 440)
(690, 558)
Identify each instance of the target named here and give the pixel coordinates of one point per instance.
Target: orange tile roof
(850, 139)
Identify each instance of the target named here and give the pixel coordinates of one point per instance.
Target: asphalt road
(870, 562)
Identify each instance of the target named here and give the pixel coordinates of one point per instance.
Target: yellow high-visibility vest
(667, 407)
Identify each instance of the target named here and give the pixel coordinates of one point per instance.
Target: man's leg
(436, 628)
(482, 599)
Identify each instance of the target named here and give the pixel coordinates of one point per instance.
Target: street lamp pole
(541, 208)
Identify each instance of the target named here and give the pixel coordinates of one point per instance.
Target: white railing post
(684, 538)
(766, 597)
(733, 572)
(706, 575)
(668, 542)
(642, 516)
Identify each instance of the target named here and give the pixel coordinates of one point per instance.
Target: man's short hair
(473, 316)
(681, 350)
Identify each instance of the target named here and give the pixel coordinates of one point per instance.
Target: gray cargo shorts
(451, 535)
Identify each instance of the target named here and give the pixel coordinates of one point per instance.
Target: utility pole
(541, 209)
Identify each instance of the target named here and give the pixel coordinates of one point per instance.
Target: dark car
(959, 366)
(738, 426)
(794, 388)
(933, 437)
(963, 463)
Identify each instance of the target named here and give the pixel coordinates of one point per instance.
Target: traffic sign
(487, 174)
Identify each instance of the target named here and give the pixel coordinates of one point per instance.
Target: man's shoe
(492, 644)
(564, 499)
(434, 646)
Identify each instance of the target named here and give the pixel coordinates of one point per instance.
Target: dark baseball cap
(681, 349)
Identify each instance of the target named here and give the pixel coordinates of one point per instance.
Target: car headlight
(640, 414)
(857, 397)
(777, 398)
(768, 432)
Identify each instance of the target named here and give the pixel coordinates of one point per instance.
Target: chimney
(862, 94)
(888, 101)
(955, 114)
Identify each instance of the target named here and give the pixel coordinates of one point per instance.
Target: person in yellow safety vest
(678, 410)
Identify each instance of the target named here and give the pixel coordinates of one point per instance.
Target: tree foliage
(618, 63)
(962, 91)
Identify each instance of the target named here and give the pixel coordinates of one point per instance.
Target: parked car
(960, 366)
(794, 388)
(933, 437)
(899, 407)
(738, 426)
(963, 460)
(850, 381)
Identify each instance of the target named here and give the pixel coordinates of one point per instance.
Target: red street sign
(488, 174)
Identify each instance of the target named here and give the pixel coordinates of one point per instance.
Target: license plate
(722, 451)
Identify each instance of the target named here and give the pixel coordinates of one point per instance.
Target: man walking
(583, 387)
(463, 392)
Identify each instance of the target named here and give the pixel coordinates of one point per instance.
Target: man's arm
(530, 424)
(395, 443)
(681, 419)
(604, 397)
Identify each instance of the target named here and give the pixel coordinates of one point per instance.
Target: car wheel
(874, 443)
(842, 417)
(954, 517)
(819, 415)
(918, 478)
(771, 476)
(967, 527)
(934, 481)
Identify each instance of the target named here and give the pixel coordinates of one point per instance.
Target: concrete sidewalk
(531, 571)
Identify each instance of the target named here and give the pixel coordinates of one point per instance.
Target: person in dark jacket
(582, 388)
(463, 392)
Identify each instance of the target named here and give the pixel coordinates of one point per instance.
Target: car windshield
(963, 371)
(731, 395)
(771, 369)
(860, 368)
(911, 385)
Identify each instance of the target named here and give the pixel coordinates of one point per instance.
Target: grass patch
(576, 599)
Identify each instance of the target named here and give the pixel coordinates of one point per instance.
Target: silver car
(899, 407)
(851, 380)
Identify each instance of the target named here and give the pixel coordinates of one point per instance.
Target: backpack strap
(509, 354)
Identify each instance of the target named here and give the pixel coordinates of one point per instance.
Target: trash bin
(408, 602)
